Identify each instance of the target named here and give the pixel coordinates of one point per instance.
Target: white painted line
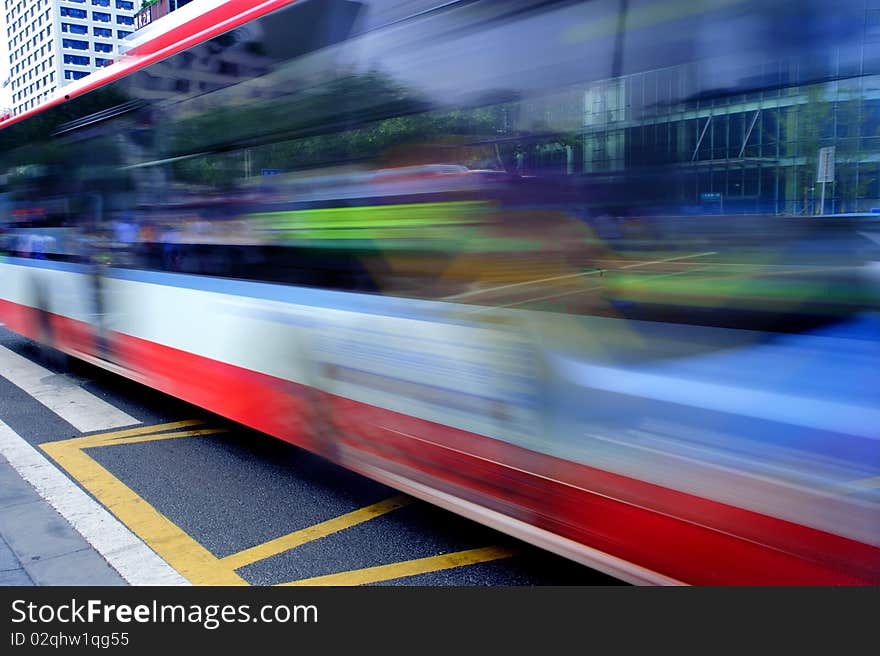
(122, 549)
(82, 410)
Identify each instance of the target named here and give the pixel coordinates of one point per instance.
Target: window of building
(102, 31)
(76, 13)
(124, 20)
(74, 75)
(102, 62)
(124, 4)
(121, 34)
(77, 59)
(74, 29)
(75, 44)
(100, 16)
(103, 47)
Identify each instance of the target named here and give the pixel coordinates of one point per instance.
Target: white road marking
(82, 410)
(122, 549)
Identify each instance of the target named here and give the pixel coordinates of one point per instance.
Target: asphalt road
(233, 502)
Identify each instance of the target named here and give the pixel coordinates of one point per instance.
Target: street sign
(825, 171)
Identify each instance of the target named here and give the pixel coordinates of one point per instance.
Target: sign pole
(825, 172)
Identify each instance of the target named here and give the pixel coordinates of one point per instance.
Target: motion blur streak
(601, 274)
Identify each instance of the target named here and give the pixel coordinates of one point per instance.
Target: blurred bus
(463, 248)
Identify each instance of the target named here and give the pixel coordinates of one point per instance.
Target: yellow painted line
(176, 547)
(140, 430)
(297, 538)
(195, 562)
(93, 441)
(166, 436)
(408, 568)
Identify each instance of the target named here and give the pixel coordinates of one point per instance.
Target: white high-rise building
(52, 42)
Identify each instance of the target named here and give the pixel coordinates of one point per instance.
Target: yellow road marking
(140, 430)
(195, 562)
(408, 567)
(297, 538)
(164, 436)
(176, 547)
(94, 441)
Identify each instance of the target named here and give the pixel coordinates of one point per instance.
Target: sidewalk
(38, 547)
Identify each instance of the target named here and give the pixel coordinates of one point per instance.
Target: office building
(53, 42)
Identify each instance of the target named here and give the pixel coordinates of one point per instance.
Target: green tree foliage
(353, 118)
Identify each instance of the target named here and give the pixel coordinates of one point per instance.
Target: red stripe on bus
(272, 405)
(18, 318)
(680, 535)
(268, 404)
(373, 427)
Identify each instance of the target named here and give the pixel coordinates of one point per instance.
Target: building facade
(752, 151)
(53, 42)
(152, 10)
(751, 147)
